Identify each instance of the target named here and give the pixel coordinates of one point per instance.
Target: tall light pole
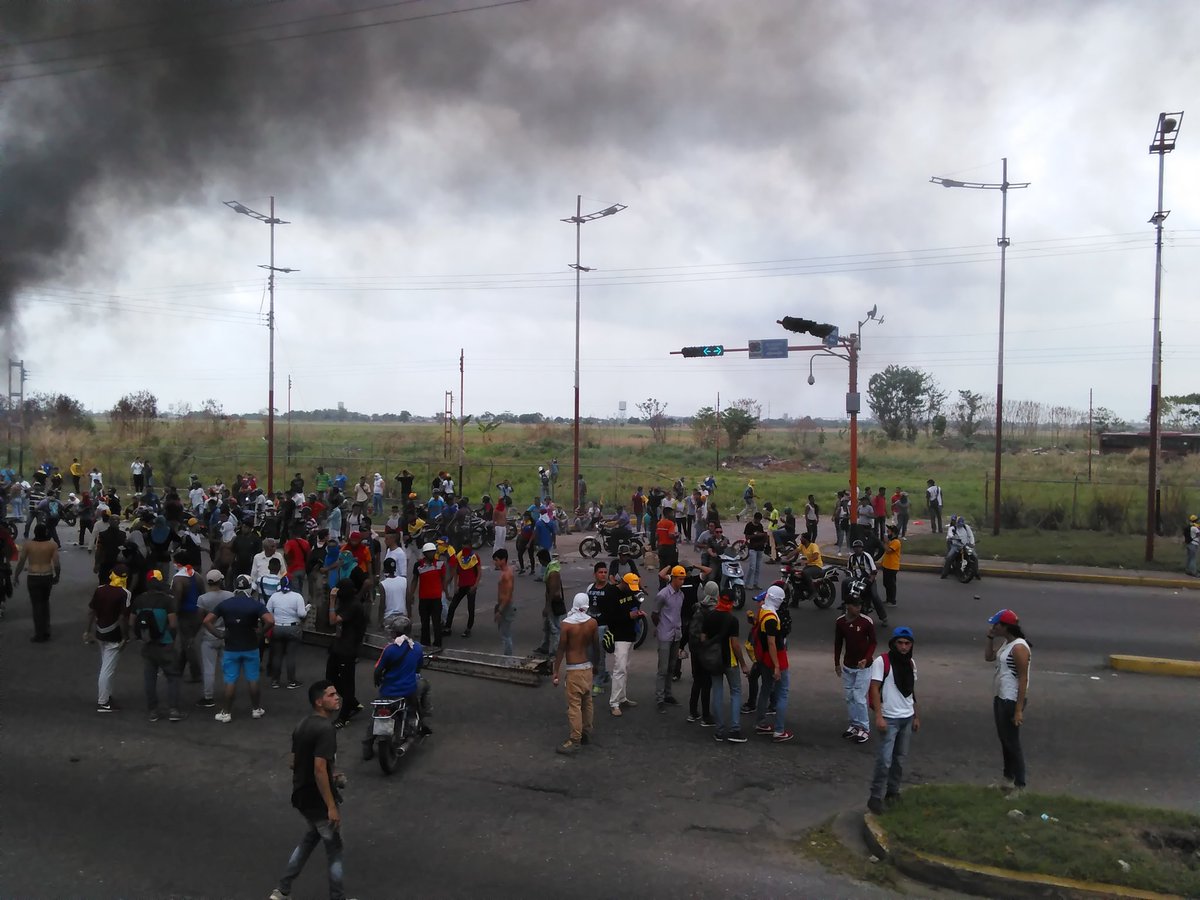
(272, 269)
(1164, 143)
(577, 220)
(1002, 242)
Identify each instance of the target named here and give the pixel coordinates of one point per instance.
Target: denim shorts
(239, 661)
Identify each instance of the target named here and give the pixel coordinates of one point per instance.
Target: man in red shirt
(668, 550)
(295, 553)
(427, 585)
(464, 571)
(856, 633)
(880, 508)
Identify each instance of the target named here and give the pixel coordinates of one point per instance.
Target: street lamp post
(1164, 143)
(1003, 187)
(578, 220)
(271, 221)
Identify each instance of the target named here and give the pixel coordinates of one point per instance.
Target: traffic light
(712, 350)
(807, 326)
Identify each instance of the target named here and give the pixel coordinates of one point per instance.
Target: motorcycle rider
(814, 565)
(958, 535)
(398, 675)
(711, 545)
(862, 568)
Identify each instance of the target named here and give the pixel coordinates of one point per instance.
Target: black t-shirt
(721, 626)
(756, 536)
(615, 607)
(315, 737)
(351, 629)
(241, 615)
(691, 594)
(595, 595)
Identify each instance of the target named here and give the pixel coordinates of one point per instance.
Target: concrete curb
(1151, 665)
(987, 881)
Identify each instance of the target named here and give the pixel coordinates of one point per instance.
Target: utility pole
(462, 420)
(289, 437)
(16, 401)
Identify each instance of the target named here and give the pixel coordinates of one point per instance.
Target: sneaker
(781, 736)
(206, 703)
(662, 707)
(670, 700)
(275, 685)
(176, 715)
(567, 748)
(736, 737)
(466, 633)
(223, 717)
(258, 713)
(585, 739)
(629, 703)
(718, 736)
(153, 716)
(747, 708)
(105, 707)
(891, 799)
(596, 689)
(764, 728)
(861, 737)
(292, 685)
(277, 894)
(692, 717)
(875, 805)
(708, 723)
(850, 732)
(1016, 793)
(615, 710)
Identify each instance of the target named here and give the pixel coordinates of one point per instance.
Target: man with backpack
(49, 511)
(186, 588)
(894, 699)
(769, 638)
(156, 624)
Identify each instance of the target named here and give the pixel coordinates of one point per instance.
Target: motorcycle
(590, 547)
(396, 728)
(966, 564)
(733, 582)
(825, 585)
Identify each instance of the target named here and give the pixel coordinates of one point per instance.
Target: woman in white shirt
(290, 611)
(1011, 690)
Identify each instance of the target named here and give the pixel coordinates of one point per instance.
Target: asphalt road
(112, 806)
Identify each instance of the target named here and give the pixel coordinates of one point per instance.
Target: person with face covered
(894, 699)
(771, 649)
(575, 642)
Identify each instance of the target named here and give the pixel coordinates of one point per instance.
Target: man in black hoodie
(894, 699)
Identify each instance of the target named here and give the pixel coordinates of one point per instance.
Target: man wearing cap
(159, 654)
(427, 586)
(212, 640)
(242, 615)
(108, 624)
(1011, 683)
(894, 699)
(862, 568)
(1191, 544)
(619, 612)
(856, 633)
(667, 616)
(575, 643)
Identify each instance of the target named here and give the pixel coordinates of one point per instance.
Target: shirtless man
(506, 609)
(40, 556)
(574, 645)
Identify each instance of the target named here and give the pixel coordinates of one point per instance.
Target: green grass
(822, 845)
(972, 824)
(1076, 548)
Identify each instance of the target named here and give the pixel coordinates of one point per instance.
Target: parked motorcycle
(733, 582)
(825, 585)
(396, 728)
(590, 547)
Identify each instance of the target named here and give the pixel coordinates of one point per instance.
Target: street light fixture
(578, 221)
(1164, 142)
(1003, 187)
(271, 268)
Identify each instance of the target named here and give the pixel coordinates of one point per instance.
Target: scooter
(396, 729)
(733, 582)
(825, 585)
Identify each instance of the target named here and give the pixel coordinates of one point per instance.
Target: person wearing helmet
(428, 586)
(894, 699)
(958, 535)
(620, 609)
(856, 633)
(1191, 543)
(863, 572)
(398, 674)
(1012, 658)
(577, 636)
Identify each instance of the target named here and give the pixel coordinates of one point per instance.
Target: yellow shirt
(76, 470)
(891, 556)
(812, 554)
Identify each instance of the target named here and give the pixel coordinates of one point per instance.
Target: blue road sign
(770, 348)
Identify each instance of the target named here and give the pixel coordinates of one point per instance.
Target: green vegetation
(1082, 839)
(822, 845)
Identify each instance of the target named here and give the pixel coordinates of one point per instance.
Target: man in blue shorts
(242, 615)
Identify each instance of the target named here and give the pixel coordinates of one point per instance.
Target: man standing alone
(1011, 691)
(933, 497)
(578, 633)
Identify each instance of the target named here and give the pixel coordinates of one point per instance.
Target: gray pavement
(113, 806)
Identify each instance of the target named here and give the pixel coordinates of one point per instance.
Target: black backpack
(148, 626)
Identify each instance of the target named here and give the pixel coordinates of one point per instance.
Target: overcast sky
(774, 156)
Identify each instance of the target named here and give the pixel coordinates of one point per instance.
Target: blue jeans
(551, 627)
(856, 683)
(754, 568)
(777, 692)
(377, 504)
(731, 724)
(1190, 568)
(893, 751)
(505, 625)
(319, 832)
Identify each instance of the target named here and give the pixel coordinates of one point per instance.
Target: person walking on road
(158, 626)
(427, 586)
(575, 643)
(347, 613)
(749, 501)
(933, 498)
(40, 556)
(889, 565)
(505, 612)
(554, 608)
(315, 790)
(667, 616)
(1011, 685)
(894, 699)
(770, 648)
(212, 641)
(1191, 543)
(721, 626)
(856, 634)
(108, 625)
(620, 609)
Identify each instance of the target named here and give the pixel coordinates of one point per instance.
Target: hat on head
(193, 521)
(155, 574)
(678, 572)
(632, 580)
(857, 545)
(214, 576)
(1004, 617)
(903, 631)
(1193, 519)
(244, 583)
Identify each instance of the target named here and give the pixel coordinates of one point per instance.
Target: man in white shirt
(958, 535)
(933, 497)
(894, 699)
(395, 591)
(377, 496)
(197, 498)
(260, 566)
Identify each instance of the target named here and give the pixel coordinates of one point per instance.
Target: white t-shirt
(895, 704)
(288, 608)
(397, 553)
(395, 591)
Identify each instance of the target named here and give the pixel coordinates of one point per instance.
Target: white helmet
(429, 548)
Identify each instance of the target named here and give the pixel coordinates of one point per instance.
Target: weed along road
(110, 806)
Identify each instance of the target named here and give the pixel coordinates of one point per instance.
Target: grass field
(1048, 501)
